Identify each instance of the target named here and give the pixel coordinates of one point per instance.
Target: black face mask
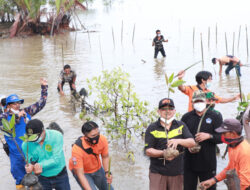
(93, 140)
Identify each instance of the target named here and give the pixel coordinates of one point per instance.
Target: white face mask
(40, 138)
(14, 111)
(200, 106)
(208, 85)
(168, 121)
(158, 35)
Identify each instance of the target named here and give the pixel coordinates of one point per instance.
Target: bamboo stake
(109, 171)
(62, 56)
(193, 36)
(247, 41)
(208, 43)
(226, 43)
(54, 45)
(133, 35)
(239, 39)
(113, 37)
(122, 32)
(89, 38)
(233, 43)
(100, 51)
(52, 29)
(239, 83)
(79, 20)
(202, 56)
(216, 33)
(75, 42)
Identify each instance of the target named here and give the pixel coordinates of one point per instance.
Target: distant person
(13, 104)
(46, 156)
(157, 42)
(2, 103)
(69, 76)
(229, 61)
(166, 174)
(238, 153)
(204, 82)
(246, 122)
(90, 159)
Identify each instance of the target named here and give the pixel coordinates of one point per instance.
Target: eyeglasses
(168, 108)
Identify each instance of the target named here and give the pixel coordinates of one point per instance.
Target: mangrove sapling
(171, 84)
(10, 132)
(197, 147)
(124, 116)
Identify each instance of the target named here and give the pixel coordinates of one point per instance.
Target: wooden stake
(100, 51)
(226, 43)
(239, 39)
(216, 33)
(208, 42)
(113, 37)
(133, 35)
(122, 32)
(52, 29)
(202, 56)
(233, 43)
(193, 36)
(247, 40)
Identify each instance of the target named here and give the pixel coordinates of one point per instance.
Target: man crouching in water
(166, 174)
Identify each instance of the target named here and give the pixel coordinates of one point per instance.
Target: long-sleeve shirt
(205, 160)
(32, 109)
(50, 155)
(239, 159)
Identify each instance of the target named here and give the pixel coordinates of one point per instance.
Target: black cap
(229, 125)
(34, 126)
(166, 102)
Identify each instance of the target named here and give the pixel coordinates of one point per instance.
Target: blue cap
(13, 98)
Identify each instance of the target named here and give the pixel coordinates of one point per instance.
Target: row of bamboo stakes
(216, 41)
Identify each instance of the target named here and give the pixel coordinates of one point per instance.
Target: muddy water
(24, 61)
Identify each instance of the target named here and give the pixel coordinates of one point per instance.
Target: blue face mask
(40, 139)
(208, 85)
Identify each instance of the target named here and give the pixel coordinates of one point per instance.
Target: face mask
(93, 140)
(200, 106)
(231, 141)
(14, 111)
(158, 35)
(168, 121)
(208, 85)
(40, 139)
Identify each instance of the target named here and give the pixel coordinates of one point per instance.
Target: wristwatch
(211, 136)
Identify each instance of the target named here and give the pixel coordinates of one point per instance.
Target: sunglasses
(168, 108)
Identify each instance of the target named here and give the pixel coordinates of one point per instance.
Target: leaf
(177, 83)
(23, 139)
(14, 132)
(170, 80)
(58, 5)
(32, 137)
(27, 3)
(171, 90)
(6, 124)
(166, 78)
(248, 96)
(243, 97)
(12, 121)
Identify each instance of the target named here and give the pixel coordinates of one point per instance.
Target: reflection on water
(24, 61)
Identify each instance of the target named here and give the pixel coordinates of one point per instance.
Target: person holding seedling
(200, 161)
(165, 140)
(21, 117)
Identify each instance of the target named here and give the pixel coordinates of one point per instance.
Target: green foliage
(27, 138)
(244, 104)
(123, 114)
(171, 84)
(9, 127)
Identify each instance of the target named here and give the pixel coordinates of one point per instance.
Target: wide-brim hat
(13, 98)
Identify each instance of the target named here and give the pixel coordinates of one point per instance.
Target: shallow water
(24, 61)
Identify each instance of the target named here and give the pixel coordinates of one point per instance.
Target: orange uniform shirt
(89, 162)
(239, 159)
(189, 91)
